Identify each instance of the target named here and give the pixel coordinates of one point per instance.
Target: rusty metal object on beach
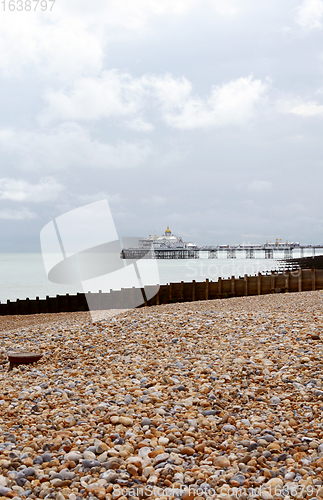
(23, 358)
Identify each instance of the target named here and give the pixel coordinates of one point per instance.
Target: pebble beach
(213, 399)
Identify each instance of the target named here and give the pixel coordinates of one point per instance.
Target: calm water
(23, 275)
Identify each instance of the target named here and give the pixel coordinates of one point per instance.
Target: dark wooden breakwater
(302, 262)
(275, 282)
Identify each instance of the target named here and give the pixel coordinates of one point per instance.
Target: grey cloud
(69, 146)
(19, 190)
(21, 214)
(202, 115)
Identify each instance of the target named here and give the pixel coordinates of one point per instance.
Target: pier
(266, 251)
(165, 253)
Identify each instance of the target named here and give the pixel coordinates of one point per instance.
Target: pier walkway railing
(275, 282)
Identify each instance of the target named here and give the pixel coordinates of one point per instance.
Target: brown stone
(221, 462)
(200, 447)
(154, 453)
(99, 492)
(187, 450)
(189, 496)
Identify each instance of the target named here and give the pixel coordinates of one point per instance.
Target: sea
(23, 275)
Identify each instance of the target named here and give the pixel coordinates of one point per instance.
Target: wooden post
(207, 289)
(300, 277)
(28, 311)
(37, 305)
(287, 281)
(132, 297)
(18, 307)
(144, 295)
(111, 300)
(57, 302)
(88, 299)
(47, 303)
(100, 299)
(158, 297)
(259, 283)
(233, 286)
(313, 278)
(272, 282)
(170, 292)
(123, 300)
(67, 302)
(182, 290)
(246, 290)
(219, 287)
(193, 290)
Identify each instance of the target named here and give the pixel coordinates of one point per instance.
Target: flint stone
(4, 490)
(161, 458)
(205, 486)
(28, 472)
(275, 400)
(109, 476)
(74, 456)
(66, 474)
(4, 481)
(228, 428)
(128, 399)
(239, 478)
(89, 464)
(269, 438)
(145, 421)
(46, 457)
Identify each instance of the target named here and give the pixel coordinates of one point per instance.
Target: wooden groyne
(302, 262)
(275, 282)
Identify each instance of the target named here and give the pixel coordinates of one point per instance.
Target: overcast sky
(204, 115)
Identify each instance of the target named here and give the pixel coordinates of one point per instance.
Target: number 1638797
(27, 5)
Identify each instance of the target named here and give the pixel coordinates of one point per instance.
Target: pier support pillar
(288, 253)
(269, 253)
(231, 253)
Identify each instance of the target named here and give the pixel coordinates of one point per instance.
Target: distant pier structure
(170, 246)
(167, 246)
